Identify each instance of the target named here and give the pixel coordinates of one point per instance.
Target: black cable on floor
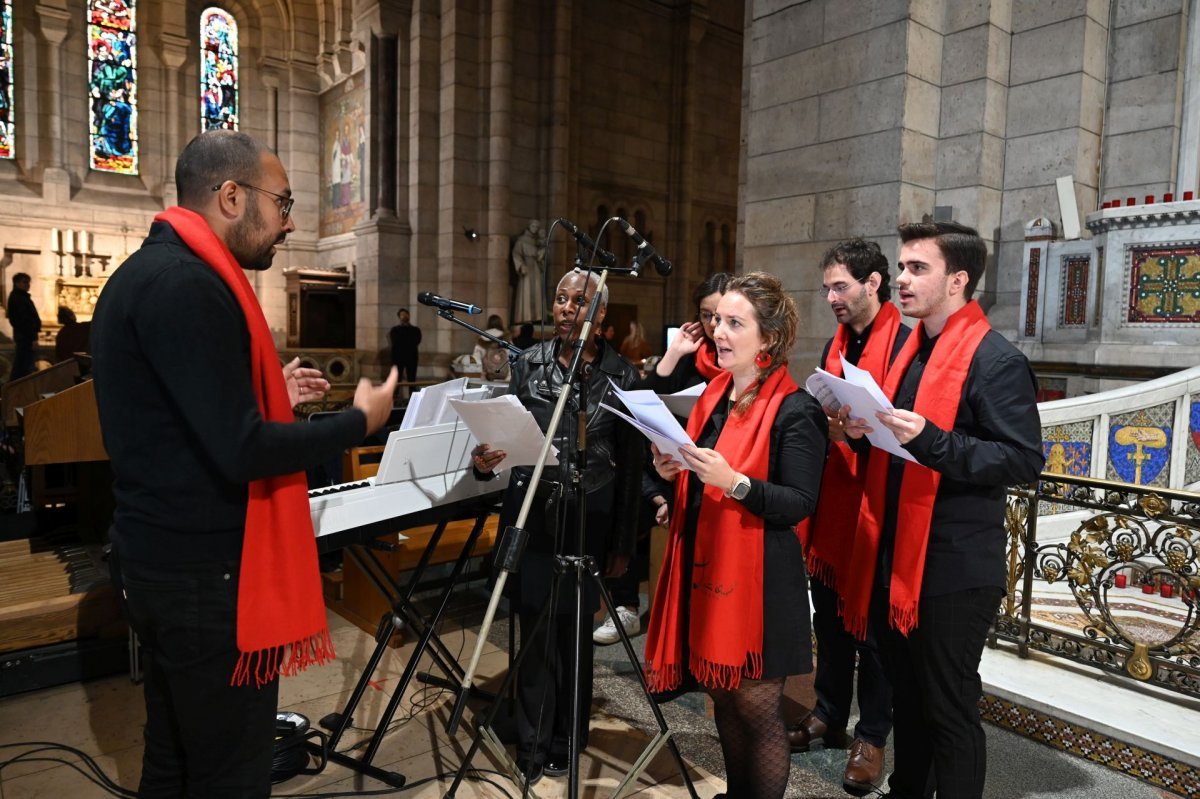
(96, 777)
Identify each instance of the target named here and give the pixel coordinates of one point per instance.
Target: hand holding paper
(866, 400)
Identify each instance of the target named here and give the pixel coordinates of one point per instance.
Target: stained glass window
(112, 41)
(6, 88)
(218, 70)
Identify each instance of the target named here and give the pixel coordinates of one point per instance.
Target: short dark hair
(716, 283)
(19, 276)
(961, 247)
(861, 258)
(65, 315)
(214, 157)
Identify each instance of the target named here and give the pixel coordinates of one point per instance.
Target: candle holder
(1167, 590)
(1120, 580)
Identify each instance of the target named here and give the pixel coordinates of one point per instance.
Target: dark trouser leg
(204, 737)
(544, 686)
(948, 646)
(834, 681)
(624, 587)
(22, 358)
(912, 775)
(874, 693)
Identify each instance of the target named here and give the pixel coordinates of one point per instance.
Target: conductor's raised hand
(485, 459)
(303, 383)
(667, 467)
(376, 401)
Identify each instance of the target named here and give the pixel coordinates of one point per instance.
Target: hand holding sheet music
(864, 396)
(504, 423)
(654, 420)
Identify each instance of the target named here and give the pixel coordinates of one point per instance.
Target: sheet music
(681, 402)
(428, 406)
(504, 423)
(652, 417)
(864, 396)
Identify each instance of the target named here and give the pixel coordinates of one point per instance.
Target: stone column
(173, 49)
(499, 200)
(54, 24)
(557, 190)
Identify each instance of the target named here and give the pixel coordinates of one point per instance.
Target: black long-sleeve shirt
(996, 442)
(171, 358)
(23, 315)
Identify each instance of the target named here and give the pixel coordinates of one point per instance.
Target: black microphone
(605, 257)
(645, 251)
(429, 298)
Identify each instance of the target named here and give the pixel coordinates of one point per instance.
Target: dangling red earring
(763, 359)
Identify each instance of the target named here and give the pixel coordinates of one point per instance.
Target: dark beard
(244, 244)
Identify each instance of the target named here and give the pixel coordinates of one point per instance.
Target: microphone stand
(509, 551)
(513, 349)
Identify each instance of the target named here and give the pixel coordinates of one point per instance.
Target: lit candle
(1149, 199)
(70, 245)
(1147, 588)
(1168, 197)
(1187, 195)
(1167, 590)
(1130, 201)
(1120, 580)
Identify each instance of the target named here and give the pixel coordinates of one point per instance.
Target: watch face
(742, 489)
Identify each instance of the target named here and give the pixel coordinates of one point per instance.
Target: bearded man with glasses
(213, 548)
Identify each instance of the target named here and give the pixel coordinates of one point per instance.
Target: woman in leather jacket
(611, 484)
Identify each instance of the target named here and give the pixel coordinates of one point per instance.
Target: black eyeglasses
(285, 203)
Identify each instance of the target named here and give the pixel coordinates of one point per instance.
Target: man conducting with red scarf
(869, 335)
(213, 545)
(934, 529)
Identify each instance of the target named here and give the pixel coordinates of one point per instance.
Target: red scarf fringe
(938, 398)
(725, 635)
(280, 605)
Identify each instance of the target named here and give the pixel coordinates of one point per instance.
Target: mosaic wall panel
(1072, 309)
(344, 164)
(1139, 445)
(1191, 471)
(1068, 450)
(1031, 291)
(1164, 284)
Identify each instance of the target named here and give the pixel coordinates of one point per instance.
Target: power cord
(87, 766)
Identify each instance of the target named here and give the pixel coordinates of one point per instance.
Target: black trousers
(938, 735)
(834, 683)
(22, 357)
(544, 683)
(203, 737)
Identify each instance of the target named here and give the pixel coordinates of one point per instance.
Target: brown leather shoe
(811, 730)
(864, 769)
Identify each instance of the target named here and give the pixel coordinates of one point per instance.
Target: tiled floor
(104, 719)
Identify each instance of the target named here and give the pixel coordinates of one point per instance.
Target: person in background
(525, 339)
(869, 334)
(931, 531)
(213, 550)
(71, 338)
(405, 338)
(635, 348)
(611, 483)
(692, 359)
(26, 324)
(731, 608)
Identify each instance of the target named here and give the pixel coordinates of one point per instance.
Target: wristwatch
(740, 488)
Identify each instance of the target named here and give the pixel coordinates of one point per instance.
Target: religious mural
(1068, 450)
(1139, 445)
(218, 70)
(112, 37)
(7, 134)
(344, 157)
(1164, 284)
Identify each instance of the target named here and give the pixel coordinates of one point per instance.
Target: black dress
(798, 440)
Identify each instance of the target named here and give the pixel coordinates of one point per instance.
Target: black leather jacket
(614, 449)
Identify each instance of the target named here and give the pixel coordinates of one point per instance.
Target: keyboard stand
(402, 614)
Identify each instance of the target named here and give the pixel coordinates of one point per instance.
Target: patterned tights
(753, 739)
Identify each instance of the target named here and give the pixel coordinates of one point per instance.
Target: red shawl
(938, 397)
(726, 603)
(706, 359)
(828, 535)
(281, 626)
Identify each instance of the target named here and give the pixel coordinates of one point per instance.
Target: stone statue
(529, 262)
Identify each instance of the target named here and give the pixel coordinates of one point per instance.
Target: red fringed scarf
(726, 604)
(706, 359)
(828, 535)
(938, 397)
(281, 626)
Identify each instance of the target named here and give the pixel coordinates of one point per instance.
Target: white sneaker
(607, 633)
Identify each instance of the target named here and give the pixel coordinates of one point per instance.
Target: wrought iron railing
(1116, 586)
